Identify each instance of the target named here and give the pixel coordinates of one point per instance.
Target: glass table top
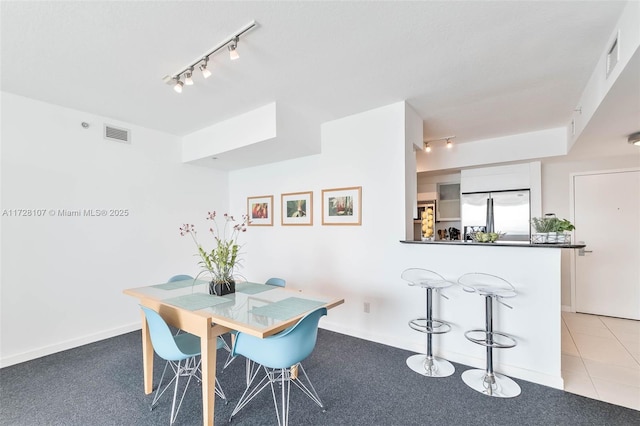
(253, 305)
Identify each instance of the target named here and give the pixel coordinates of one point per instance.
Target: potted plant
(220, 262)
(550, 229)
(562, 227)
(542, 227)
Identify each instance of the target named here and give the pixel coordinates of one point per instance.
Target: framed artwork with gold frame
(297, 208)
(342, 206)
(260, 210)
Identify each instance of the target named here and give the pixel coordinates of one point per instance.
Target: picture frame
(260, 210)
(297, 208)
(342, 206)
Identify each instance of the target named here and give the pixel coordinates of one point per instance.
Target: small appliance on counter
(454, 234)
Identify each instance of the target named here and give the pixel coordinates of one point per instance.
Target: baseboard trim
(472, 362)
(68, 344)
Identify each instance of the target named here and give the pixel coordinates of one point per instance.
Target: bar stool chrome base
(498, 386)
(427, 364)
(435, 367)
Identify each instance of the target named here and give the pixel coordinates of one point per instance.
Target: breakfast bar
(533, 320)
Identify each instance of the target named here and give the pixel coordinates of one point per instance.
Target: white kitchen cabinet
(448, 202)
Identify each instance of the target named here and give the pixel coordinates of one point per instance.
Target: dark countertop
(496, 244)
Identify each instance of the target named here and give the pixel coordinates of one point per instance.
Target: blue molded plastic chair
(276, 281)
(180, 278)
(280, 356)
(176, 349)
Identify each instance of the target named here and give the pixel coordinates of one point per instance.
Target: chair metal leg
(282, 413)
(175, 393)
(308, 388)
(159, 390)
(190, 369)
(283, 378)
(251, 392)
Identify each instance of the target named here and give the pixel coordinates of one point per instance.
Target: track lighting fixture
(203, 68)
(634, 139)
(449, 144)
(178, 85)
(233, 53)
(185, 75)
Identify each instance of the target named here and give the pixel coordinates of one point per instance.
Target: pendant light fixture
(185, 75)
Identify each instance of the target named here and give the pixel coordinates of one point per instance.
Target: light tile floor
(601, 358)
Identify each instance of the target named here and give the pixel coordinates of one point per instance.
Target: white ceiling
(472, 69)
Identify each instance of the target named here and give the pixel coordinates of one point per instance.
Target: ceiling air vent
(117, 134)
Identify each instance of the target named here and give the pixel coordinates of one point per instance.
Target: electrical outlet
(367, 307)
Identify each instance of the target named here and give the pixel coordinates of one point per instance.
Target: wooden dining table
(256, 309)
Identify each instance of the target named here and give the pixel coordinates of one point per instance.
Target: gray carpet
(360, 382)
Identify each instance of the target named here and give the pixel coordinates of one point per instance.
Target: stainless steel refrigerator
(511, 213)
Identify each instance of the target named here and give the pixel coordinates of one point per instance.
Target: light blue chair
(180, 352)
(276, 282)
(280, 356)
(279, 282)
(180, 278)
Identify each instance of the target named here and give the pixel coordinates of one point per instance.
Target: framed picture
(297, 208)
(342, 206)
(260, 210)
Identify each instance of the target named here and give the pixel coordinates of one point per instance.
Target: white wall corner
(414, 127)
(414, 136)
(250, 128)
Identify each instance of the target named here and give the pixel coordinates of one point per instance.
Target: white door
(607, 219)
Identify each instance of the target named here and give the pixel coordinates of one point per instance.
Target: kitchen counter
(496, 244)
(535, 272)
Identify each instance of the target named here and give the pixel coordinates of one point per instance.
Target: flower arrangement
(220, 262)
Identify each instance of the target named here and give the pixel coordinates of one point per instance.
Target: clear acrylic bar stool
(487, 381)
(427, 364)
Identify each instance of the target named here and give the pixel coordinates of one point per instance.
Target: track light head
(427, 147)
(203, 68)
(634, 139)
(187, 77)
(449, 144)
(233, 53)
(178, 85)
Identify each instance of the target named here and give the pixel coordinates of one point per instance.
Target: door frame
(572, 211)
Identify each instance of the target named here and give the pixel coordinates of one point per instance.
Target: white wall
(359, 263)
(556, 193)
(62, 277)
